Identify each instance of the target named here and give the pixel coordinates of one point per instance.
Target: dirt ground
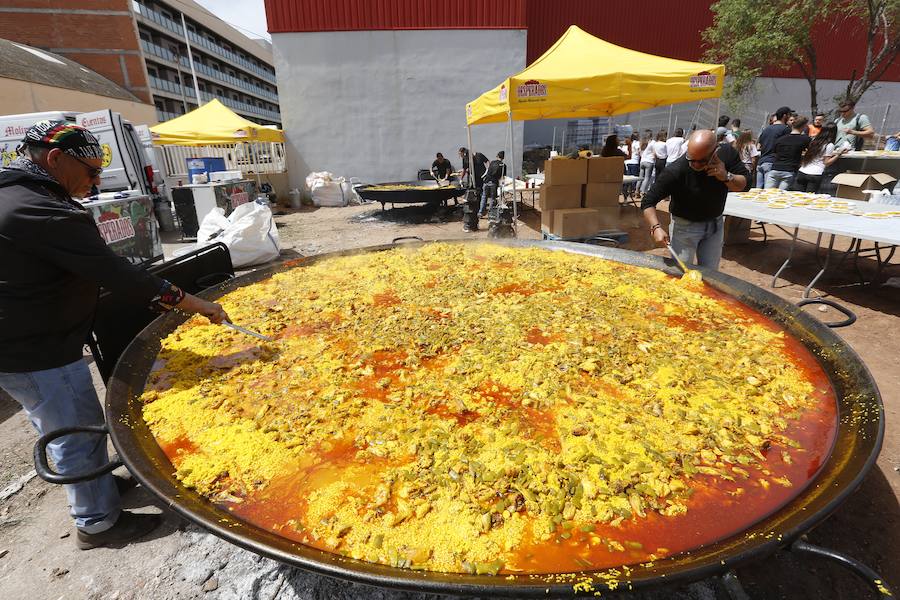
(38, 559)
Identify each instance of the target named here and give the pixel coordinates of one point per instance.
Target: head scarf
(72, 139)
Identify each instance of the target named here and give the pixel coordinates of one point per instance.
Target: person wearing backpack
(853, 128)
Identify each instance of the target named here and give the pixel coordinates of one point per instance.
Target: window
(151, 71)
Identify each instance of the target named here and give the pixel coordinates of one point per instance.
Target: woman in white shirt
(632, 149)
(660, 151)
(820, 155)
(647, 161)
(747, 150)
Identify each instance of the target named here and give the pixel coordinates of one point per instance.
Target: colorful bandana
(72, 139)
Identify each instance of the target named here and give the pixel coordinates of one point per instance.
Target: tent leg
(669, 123)
(512, 162)
(470, 182)
(718, 112)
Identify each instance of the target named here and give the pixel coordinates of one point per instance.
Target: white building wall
(378, 105)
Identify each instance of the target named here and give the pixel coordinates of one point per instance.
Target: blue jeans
(702, 239)
(65, 397)
(761, 170)
(780, 179)
(489, 193)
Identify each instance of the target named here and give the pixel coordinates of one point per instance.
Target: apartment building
(142, 45)
(228, 65)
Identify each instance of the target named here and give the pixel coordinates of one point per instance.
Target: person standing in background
(767, 140)
(648, 160)
(723, 128)
(633, 162)
(813, 129)
(675, 146)
(611, 147)
(852, 128)
(789, 151)
(820, 154)
(735, 128)
(496, 171)
(747, 150)
(659, 153)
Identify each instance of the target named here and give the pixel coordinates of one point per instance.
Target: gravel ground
(178, 561)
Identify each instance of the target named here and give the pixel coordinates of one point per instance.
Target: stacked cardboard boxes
(581, 196)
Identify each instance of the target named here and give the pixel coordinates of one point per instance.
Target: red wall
(354, 15)
(654, 26)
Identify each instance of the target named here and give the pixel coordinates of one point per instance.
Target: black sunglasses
(93, 172)
(701, 161)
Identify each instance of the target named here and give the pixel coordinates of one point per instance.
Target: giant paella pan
(521, 419)
(409, 192)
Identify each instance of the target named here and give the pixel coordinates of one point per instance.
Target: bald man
(698, 184)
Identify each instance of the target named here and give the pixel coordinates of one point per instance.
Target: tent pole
(553, 145)
(562, 147)
(512, 163)
(718, 112)
(469, 179)
(669, 124)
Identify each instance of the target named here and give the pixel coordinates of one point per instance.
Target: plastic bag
(249, 232)
(328, 190)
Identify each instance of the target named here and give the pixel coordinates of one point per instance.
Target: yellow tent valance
(582, 76)
(212, 123)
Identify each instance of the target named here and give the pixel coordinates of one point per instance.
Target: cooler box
(205, 166)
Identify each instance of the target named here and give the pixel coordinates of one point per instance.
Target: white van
(125, 163)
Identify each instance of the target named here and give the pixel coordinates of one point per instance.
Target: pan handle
(851, 316)
(406, 237)
(42, 465)
(875, 581)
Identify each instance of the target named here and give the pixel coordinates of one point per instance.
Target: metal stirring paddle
(247, 331)
(692, 274)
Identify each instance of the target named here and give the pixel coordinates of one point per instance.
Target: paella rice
(486, 409)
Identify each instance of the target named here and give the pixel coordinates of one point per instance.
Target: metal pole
(512, 154)
(883, 123)
(180, 82)
(640, 118)
(553, 145)
(187, 41)
(470, 182)
(562, 148)
(675, 123)
(718, 112)
(669, 124)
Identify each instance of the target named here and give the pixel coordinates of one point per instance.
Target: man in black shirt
(698, 183)
(788, 153)
(441, 168)
(481, 162)
(767, 139)
(495, 172)
(52, 264)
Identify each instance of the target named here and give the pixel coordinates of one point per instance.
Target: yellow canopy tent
(584, 76)
(212, 123)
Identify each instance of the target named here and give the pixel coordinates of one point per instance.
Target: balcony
(196, 40)
(172, 87)
(207, 72)
(163, 115)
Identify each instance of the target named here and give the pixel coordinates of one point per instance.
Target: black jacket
(52, 264)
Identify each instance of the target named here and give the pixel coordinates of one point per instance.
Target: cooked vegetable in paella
(489, 409)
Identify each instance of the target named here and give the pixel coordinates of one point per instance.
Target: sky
(247, 16)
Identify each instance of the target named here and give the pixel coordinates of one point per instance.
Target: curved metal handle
(406, 237)
(875, 581)
(851, 316)
(212, 279)
(42, 465)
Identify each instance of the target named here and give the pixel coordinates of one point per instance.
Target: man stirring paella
(53, 264)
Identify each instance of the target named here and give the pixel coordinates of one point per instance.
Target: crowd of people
(790, 153)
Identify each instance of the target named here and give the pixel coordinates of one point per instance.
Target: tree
(881, 19)
(749, 36)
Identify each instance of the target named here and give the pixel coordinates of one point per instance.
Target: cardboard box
(575, 222)
(851, 185)
(597, 195)
(560, 196)
(606, 170)
(565, 171)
